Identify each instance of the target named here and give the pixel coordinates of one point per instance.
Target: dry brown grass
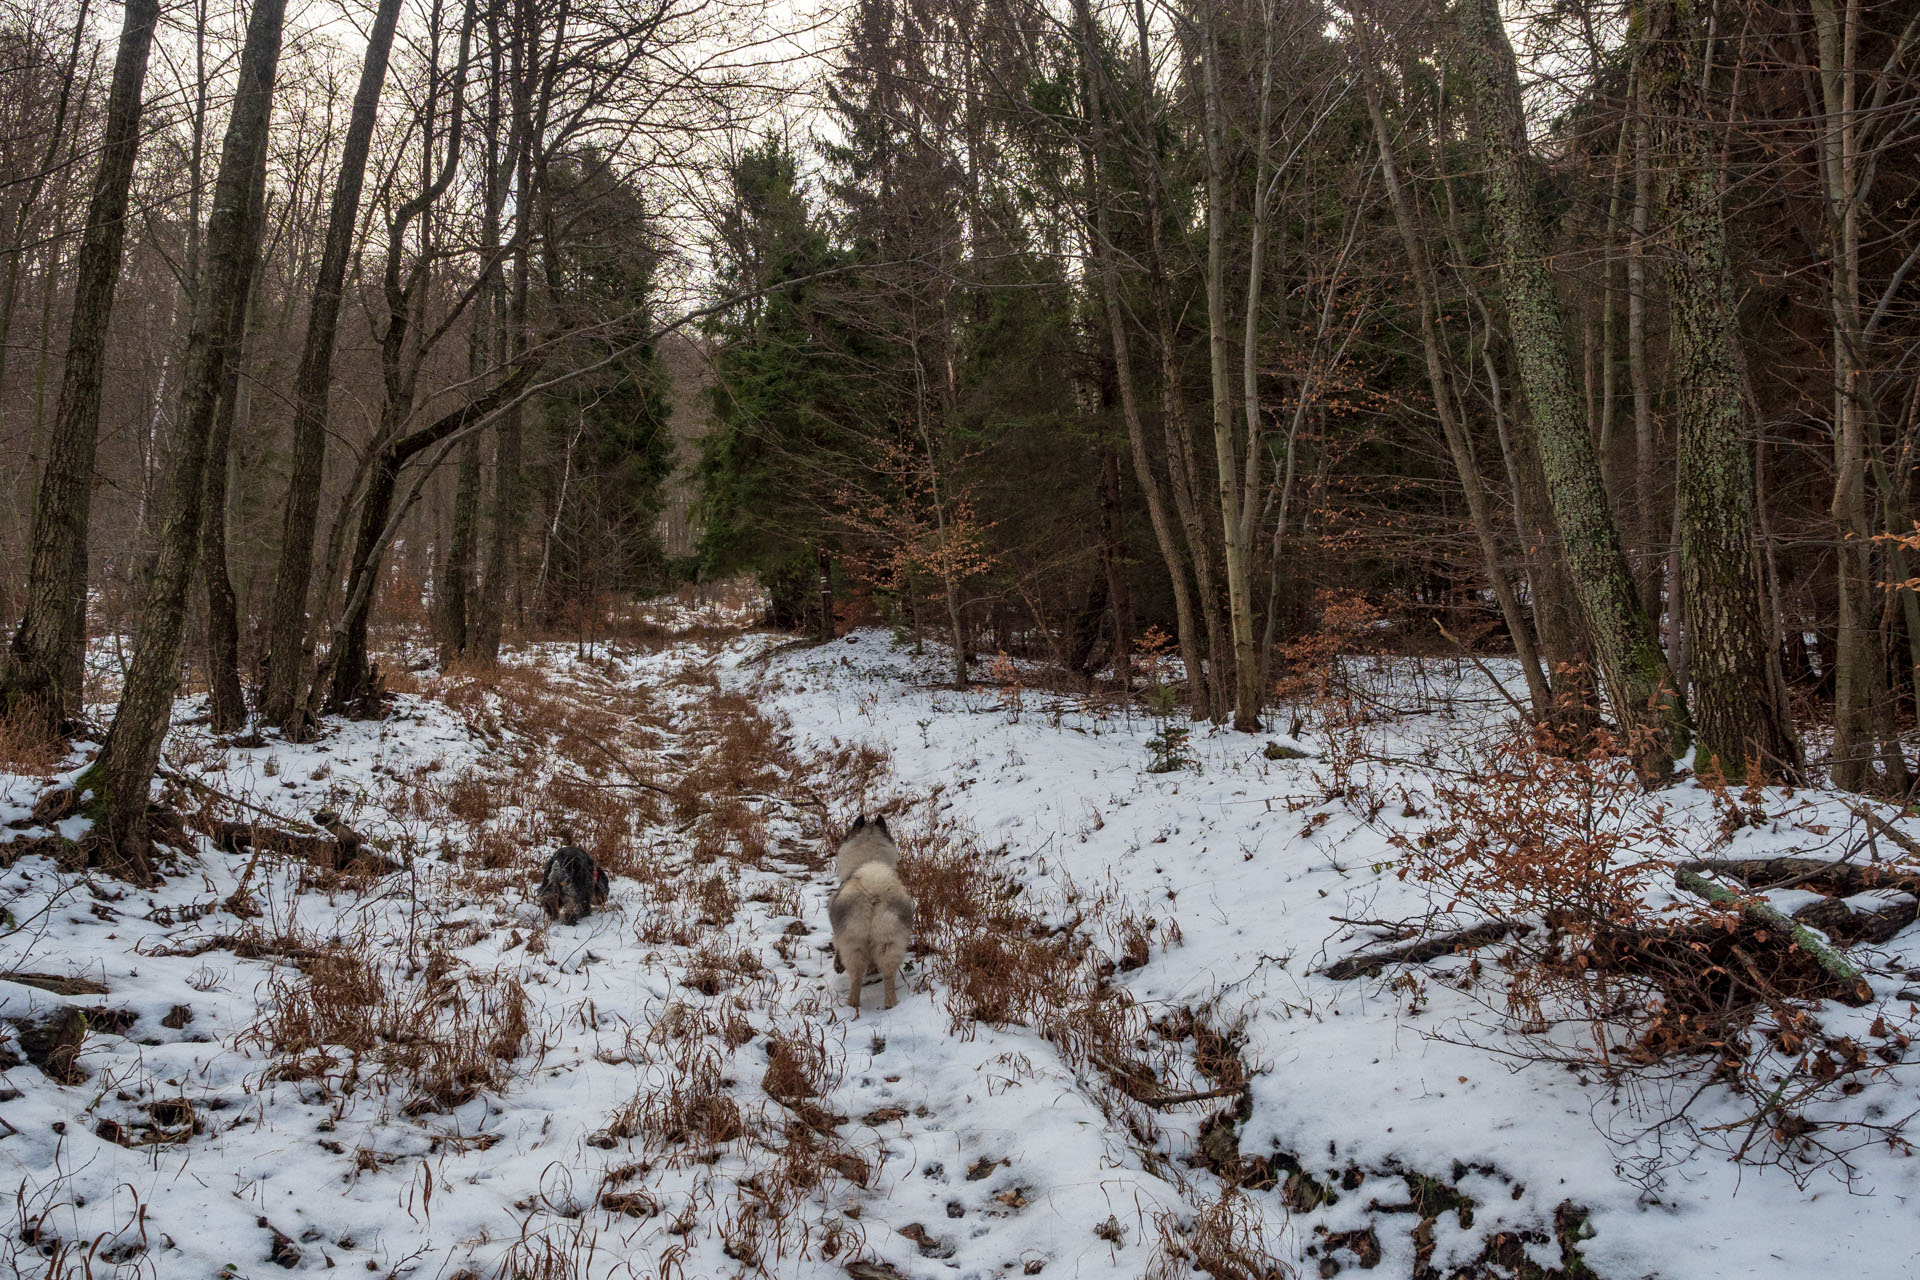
(998, 959)
(718, 966)
(28, 745)
(1226, 1239)
(443, 1033)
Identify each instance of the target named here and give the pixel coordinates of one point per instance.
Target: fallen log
(1420, 950)
(69, 985)
(1847, 878)
(341, 849)
(1764, 913)
(51, 1039)
(1874, 916)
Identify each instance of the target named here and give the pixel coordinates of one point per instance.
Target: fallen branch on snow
(1420, 950)
(1765, 913)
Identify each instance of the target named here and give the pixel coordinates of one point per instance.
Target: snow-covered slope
(674, 1086)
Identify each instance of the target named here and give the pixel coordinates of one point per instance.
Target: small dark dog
(572, 886)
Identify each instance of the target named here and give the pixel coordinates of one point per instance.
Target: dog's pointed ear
(881, 822)
(858, 823)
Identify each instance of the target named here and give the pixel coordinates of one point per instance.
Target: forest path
(292, 1067)
(1114, 1054)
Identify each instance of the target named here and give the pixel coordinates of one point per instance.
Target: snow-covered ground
(675, 1086)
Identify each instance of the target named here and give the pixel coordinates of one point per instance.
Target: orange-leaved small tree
(914, 523)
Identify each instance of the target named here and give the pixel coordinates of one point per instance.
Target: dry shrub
(1566, 839)
(716, 900)
(550, 1247)
(468, 798)
(731, 829)
(1314, 668)
(689, 1108)
(1572, 837)
(443, 1034)
(716, 967)
(798, 1065)
(780, 895)
(1225, 1239)
(1572, 840)
(999, 961)
(28, 743)
(599, 817)
(851, 773)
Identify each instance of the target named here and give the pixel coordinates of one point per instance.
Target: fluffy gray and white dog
(871, 914)
(572, 885)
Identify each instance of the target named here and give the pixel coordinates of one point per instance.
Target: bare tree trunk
(455, 599)
(345, 675)
(1182, 471)
(1113, 562)
(346, 672)
(826, 595)
(1458, 442)
(1634, 669)
(1093, 156)
(1730, 654)
(452, 600)
(1860, 676)
(503, 545)
(1646, 523)
(287, 616)
(1566, 651)
(1609, 320)
(40, 678)
(29, 203)
(228, 704)
(122, 776)
(1236, 533)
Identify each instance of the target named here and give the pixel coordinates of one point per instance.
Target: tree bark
(826, 595)
(347, 675)
(1731, 656)
(29, 202)
(41, 676)
(227, 709)
(455, 601)
(344, 675)
(1458, 443)
(1093, 157)
(503, 545)
(287, 615)
(1113, 562)
(1646, 521)
(1631, 664)
(122, 776)
(1859, 667)
(1236, 533)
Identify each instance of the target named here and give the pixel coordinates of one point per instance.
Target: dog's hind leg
(856, 976)
(892, 974)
